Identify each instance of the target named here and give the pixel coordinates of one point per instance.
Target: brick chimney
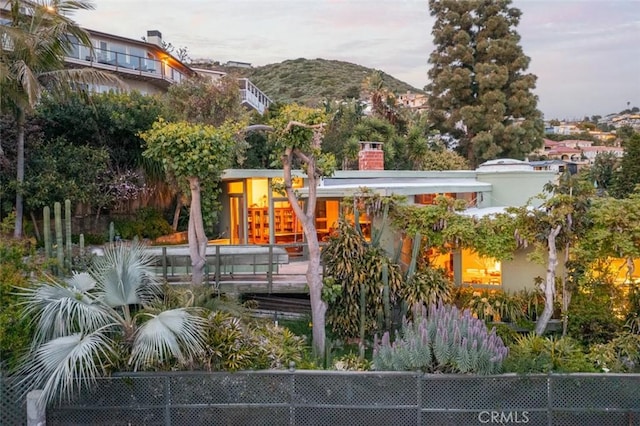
(371, 156)
(154, 37)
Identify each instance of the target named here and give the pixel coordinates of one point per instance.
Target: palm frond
(63, 365)
(61, 309)
(174, 334)
(124, 275)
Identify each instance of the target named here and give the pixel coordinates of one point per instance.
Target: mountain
(310, 81)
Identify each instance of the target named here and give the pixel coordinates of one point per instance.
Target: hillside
(309, 81)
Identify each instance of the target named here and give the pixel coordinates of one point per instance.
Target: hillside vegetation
(310, 81)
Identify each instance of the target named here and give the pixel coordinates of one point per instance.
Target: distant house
(577, 151)
(238, 64)
(415, 101)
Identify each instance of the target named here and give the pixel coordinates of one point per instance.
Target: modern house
(254, 213)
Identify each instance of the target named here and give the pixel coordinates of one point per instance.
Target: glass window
(477, 269)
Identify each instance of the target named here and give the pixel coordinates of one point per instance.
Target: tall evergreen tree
(479, 93)
(627, 177)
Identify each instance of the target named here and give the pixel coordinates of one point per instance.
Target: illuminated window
(235, 188)
(620, 270)
(477, 269)
(441, 260)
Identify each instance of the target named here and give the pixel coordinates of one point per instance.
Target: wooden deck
(237, 269)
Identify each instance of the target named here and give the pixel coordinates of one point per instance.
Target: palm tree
(101, 318)
(33, 45)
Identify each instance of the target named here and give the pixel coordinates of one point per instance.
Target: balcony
(159, 72)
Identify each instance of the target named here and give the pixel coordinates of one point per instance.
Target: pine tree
(479, 93)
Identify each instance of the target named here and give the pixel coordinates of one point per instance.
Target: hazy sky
(586, 53)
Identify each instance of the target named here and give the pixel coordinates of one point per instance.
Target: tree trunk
(20, 118)
(549, 286)
(197, 236)
(314, 281)
(314, 277)
(176, 213)
(566, 293)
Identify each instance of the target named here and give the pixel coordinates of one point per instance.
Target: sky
(585, 53)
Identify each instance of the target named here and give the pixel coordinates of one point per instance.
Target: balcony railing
(254, 96)
(120, 61)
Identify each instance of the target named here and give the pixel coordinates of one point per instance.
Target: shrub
(429, 286)
(446, 340)
(148, 223)
(620, 355)
(15, 267)
(591, 314)
(351, 263)
(537, 354)
(237, 344)
(495, 305)
(351, 362)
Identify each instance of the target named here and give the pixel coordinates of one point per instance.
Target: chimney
(154, 37)
(371, 156)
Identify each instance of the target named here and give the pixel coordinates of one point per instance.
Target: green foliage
(148, 223)
(351, 362)
(537, 354)
(428, 286)
(614, 229)
(591, 313)
(350, 262)
(602, 171)
(194, 150)
(627, 176)
(110, 121)
(479, 92)
(15, 267)
(58, 170)
(204, 101)
(237, 344)
(620, 355)
(495, 305)
(444, 341)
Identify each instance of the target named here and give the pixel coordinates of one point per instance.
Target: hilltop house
(147, 67)
(143, 65)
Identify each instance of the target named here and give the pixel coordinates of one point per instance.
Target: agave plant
(104, 317)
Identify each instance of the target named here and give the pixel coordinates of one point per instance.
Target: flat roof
(402, 188)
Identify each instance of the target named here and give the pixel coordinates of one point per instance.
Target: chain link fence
(345, 398)
(13, 408)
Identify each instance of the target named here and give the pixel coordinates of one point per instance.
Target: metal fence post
(270, 270)
(292, 410)
(36, 411)
(549, 397)
(164, 263)
(218, 262)
(419, 380)
(167, 401)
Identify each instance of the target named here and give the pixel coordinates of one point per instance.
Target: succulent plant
(445, 340)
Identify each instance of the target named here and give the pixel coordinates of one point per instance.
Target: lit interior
(477, 269)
